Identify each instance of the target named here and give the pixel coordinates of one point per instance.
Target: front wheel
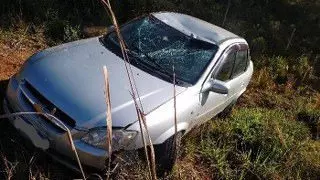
(167, 153)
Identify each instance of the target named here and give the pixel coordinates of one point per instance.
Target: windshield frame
(157, 72)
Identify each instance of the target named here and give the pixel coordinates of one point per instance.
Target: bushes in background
(289, 37)
(61, 31)
(283, 70)
(41, 11)
(265, 25)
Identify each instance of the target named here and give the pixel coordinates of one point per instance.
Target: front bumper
(47, 137)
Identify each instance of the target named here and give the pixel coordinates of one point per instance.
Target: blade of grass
(174, 102)
(9, 167)
(109, 118)
(75, 152)
(152, 154)
(144, 140)
(133, 86)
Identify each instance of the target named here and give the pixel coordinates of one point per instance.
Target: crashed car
(212, 69)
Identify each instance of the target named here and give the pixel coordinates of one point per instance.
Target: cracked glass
(157, 47)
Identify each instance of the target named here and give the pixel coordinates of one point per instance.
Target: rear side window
(225, 71)
(241, 63)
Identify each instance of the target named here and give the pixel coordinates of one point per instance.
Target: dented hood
(71, 77)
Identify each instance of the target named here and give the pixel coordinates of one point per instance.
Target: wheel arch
(181, 127)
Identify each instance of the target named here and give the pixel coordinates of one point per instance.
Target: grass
(311, 117)
(272, 134)
(256, 143)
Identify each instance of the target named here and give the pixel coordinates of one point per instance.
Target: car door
(239, 78)
(212, 102)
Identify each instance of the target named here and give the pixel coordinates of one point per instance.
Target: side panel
(160, 122)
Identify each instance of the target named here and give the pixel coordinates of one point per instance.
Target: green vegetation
(311, 117)
(256, 143)
(59, 31)
(283, 34)
(272, 134)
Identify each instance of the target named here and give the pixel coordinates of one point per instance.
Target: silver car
(212, 69)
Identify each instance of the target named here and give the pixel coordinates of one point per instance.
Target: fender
(183, 126)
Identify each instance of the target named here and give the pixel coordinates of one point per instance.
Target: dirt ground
(14, 51)
(16, 45)
(15, 48)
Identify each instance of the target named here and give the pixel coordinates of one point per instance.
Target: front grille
(50, 106)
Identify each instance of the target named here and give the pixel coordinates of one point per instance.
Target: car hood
(71, 77)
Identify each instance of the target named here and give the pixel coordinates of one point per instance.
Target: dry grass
(317, 101)
(16, 45)
(135, 94)
(20, 161)
(9, 167)
(108, 119)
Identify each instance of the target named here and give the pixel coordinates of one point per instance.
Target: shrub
(61, 31)
(263, 79)
(54, 30)
(71, 33)
(259, 44)
(279, 68)
(311, 117)
(302, 69)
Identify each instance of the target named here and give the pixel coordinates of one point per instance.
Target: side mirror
(110, 29)
(215, 86)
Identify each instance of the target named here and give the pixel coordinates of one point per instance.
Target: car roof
(195, 27)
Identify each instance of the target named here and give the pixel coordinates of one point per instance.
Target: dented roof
(195, 27)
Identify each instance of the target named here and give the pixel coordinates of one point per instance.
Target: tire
(166, 154)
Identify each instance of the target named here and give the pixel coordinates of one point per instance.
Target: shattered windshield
(158, 47)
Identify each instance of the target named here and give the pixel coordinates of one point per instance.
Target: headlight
(98, 137)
